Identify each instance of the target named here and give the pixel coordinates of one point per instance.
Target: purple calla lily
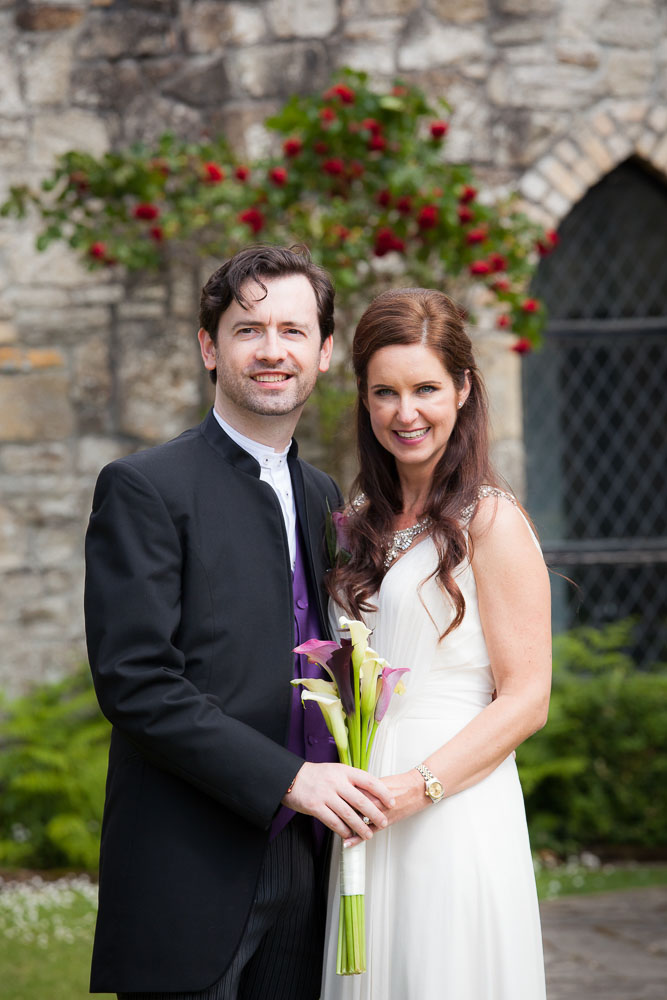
(337, 661)
(390, 678)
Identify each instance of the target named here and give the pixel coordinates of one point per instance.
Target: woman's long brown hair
(428, 317)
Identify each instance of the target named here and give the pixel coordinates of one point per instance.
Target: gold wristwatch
(433, 788)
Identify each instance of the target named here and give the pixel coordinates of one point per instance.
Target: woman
(447, 572)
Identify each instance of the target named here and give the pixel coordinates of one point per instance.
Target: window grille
(595, 410)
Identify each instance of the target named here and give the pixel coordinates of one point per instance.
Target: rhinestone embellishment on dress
(403, 539)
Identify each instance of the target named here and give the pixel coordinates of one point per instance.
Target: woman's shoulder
(498, 522)
(486, 503)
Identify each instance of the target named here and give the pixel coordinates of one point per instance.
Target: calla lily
(317, 685)
(332, 710)
(371, 669)
(358, 637)
(335, 659)
(391, 682)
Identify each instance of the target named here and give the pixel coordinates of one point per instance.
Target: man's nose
(271, 347)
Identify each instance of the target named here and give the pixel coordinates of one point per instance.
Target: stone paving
(611, 945)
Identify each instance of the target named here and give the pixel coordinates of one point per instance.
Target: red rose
(503, 320)
(98, 251)
(468, 194)
(439, 129)
(157, 233)
(278, 176)
(476, 236)
(327, 114)
(214, 173)
(465, 214)
(371, 125)
(546, 245)
(341, 232)
(501, 285)
(497, 262)
(321, 148)
(334, 166)
(145, 210)
(386, 240)
(522, 346)
(480, 267)
(356, 169)
(345, 94)
(242, 173)
(427, 217)
(399, 90)
(530, 305)
(404, 204)
(292, 147)
(80, 181)
(377, 143)
(253, 218)
(161, 166)
(383, 198)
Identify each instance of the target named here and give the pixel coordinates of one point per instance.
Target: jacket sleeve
(132, 609)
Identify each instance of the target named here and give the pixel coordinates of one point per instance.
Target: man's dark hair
(255, 263)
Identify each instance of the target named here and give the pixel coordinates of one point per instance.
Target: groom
(205, 560)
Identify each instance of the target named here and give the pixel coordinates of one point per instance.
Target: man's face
(268, 356)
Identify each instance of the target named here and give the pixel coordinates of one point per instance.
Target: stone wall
(548, 95)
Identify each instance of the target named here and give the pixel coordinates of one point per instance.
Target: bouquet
(353, 704)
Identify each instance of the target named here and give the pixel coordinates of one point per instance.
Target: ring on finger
(366, 820)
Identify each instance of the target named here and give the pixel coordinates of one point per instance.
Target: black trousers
(281, 952)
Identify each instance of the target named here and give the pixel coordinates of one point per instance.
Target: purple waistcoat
(308, 734)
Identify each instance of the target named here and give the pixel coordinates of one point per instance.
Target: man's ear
(207, 348)
(325, 354)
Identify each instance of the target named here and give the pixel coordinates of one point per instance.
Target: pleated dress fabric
(451, 904)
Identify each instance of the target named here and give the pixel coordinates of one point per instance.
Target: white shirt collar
(264, 454)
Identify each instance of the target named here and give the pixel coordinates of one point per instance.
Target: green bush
(596, 774)
(53, 756)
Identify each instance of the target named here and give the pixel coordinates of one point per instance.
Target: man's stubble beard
(239, 389)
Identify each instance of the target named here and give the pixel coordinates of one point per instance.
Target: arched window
(595, 410)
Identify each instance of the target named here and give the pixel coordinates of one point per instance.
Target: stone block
(596, 150)
(71, 129)
(501, 369)
(13, 540)
(657, 118)
(202, 82)
(589, 172)
(659, 157)
(521, 32)
(427, 43)
(557, 86)
(46, 17)
(52, 458)
(94, 452)
(525, 7)
(35, 406)
(603, 124)
(107, 85)
(620, 146)
(69, 325)
(578, 20)
(55, 546)
(210, 25)
(361, 55)
(566, 152)
(141, 310)
(562, 178)
(7, 332)
(11, 102)
(111, 34)
(278, 70)
(294, 19)
(557, 205)
(579, 51)
(47, 71)
(13, 141)
(533, 186)
(628, 73)
(628, 25)
(460, 11)
(92, 383)
(646, 144)
(375, 31)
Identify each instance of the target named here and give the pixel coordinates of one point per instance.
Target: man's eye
(292, 331)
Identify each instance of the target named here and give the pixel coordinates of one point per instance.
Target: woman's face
(413, 404)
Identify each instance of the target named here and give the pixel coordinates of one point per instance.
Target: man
(205, 559)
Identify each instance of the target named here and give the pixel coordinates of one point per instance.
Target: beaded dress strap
(486, 491)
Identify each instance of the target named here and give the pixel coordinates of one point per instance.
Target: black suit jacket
(189, 623)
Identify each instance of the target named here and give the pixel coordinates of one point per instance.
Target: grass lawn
(46, 928)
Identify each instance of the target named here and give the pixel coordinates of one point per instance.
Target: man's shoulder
(318, 479)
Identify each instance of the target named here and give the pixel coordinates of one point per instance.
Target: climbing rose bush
(359, 176)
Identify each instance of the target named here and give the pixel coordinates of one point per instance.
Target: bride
(445, 569)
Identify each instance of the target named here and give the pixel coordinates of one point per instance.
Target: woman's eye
(384, 392)
(426, 389)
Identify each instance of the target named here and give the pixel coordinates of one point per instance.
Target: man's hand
(340, 796)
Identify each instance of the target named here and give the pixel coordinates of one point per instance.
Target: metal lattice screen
(595, 410)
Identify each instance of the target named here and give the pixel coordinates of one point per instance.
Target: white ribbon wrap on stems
(353, 870)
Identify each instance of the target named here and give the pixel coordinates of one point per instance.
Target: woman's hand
(408, 792)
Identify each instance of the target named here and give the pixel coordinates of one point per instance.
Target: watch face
(435, 789)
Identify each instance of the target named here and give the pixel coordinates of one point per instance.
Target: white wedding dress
(451, 905)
